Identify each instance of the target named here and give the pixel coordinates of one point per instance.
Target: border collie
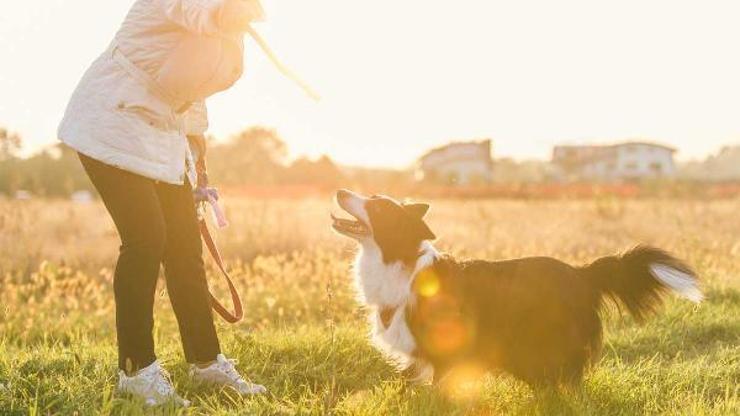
(535, 318)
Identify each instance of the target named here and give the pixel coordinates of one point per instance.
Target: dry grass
(304, 334)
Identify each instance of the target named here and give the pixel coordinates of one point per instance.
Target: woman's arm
(209, 17)
(196, 125)
(196, 119)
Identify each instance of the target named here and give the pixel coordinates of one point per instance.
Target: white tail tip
(682, 283)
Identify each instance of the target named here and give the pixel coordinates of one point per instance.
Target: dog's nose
(343, 194)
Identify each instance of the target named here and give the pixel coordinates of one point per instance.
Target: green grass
(304, 336)
(685, 361)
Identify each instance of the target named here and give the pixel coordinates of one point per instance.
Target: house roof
(621, 144)
(482, 143)
(651, 144)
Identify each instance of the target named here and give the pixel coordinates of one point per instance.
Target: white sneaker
(223, 373)
(152, 384)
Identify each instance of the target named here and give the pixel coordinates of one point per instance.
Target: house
(460, 163)
(623, 161)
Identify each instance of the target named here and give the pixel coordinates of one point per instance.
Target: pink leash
(219, 217)
(205, 194)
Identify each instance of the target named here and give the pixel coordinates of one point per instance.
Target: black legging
(157, 223)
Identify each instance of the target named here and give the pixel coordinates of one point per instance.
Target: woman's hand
(236, 15)
(198, 146)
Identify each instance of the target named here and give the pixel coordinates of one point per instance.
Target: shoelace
(160, 381)
(229, 367)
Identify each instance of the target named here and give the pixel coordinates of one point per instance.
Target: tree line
(255, 157)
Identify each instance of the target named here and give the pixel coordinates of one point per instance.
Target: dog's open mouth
(352, 227)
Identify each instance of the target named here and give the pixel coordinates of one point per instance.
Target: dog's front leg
(441, 371)
(419, 371)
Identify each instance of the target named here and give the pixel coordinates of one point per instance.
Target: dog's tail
(639, 277)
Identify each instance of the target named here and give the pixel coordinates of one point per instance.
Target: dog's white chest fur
(388, 286)
(381, 284)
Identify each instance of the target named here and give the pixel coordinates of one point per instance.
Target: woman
(130, 127)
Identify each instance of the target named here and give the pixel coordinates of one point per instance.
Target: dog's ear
(426, 232)
(416, 210)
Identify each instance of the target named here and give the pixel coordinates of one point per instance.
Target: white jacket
(114, 117)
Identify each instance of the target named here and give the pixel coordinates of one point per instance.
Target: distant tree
(322, 172)
(55, 171)
(255, 156)
(260, 144)
(10, 144)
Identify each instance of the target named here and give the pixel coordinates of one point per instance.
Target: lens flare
(464, 381)
(427, 283)
(447, 336)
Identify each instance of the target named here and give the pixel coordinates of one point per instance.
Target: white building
(460, 163)
(623, 161)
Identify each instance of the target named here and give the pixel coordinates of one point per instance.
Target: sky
(400, 76)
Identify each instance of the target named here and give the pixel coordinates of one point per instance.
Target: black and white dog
(536, 318)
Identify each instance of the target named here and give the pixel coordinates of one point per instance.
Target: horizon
(412, 165)
(529, 75)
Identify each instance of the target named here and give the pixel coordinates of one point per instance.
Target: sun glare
(398, 78)
(465, 381)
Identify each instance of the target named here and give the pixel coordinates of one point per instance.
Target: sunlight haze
(399, 77)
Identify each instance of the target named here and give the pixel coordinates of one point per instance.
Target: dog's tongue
(340, 219)
(352, 225)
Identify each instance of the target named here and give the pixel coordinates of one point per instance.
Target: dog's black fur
(536, 318)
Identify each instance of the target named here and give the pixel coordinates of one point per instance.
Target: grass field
(304, 334)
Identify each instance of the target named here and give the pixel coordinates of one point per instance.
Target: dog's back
(537, 318)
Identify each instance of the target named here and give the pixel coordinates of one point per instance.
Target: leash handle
(220, 309)
(218, 213)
